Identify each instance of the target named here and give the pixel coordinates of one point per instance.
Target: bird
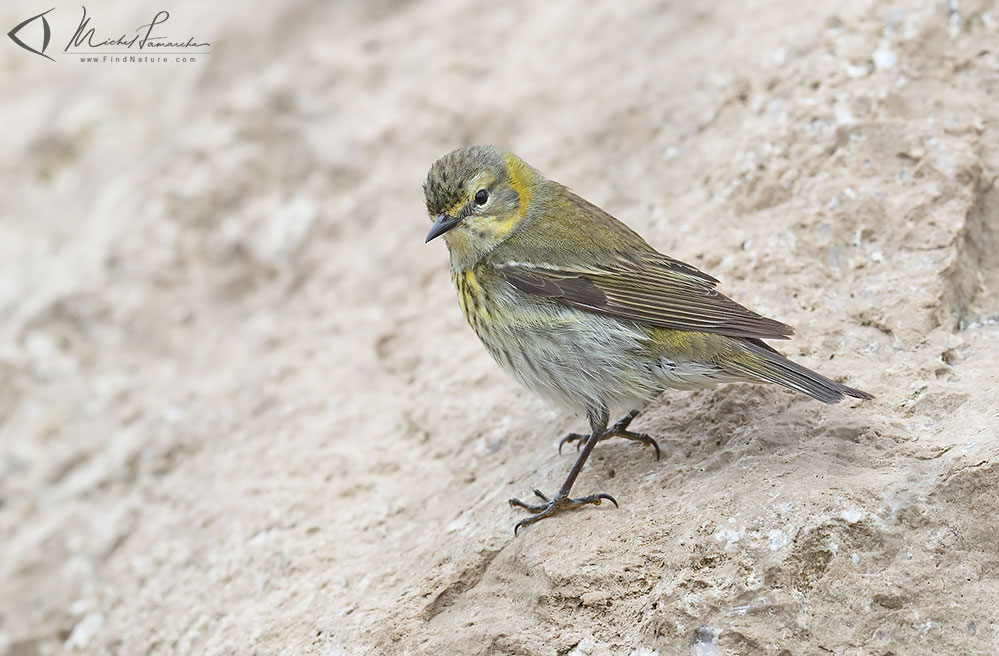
(582, 311)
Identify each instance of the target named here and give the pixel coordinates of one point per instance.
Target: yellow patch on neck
(522, 180)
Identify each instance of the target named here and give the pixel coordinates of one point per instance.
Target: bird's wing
(655, 290)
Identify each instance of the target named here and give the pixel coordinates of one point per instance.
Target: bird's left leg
(620, 429)
(561, 501)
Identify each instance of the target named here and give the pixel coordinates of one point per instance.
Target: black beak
(442, 225)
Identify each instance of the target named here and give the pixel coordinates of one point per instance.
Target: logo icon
(46, 34)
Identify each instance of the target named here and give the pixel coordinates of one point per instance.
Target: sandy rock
(240, 411)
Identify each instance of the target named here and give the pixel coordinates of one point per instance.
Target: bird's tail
(768, 365)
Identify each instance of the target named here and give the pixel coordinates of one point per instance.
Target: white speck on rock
(705, 642)
(84, 631)
(729, 536)
(884, 57)
(777, 539)
(859, 71)
(843, 115)
(456, 524)
(956, 20)
(944, 162)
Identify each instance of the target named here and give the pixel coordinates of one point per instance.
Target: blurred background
(240, 411)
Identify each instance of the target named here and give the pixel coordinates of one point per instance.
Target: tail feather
(771, 366)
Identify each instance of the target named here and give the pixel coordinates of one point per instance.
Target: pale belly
(578, 360)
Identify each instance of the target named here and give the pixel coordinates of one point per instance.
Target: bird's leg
(620, 429)
(561, 501)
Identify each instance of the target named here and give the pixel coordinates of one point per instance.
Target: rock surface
(240, 412)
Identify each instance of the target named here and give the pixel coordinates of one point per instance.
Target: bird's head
(476, 197)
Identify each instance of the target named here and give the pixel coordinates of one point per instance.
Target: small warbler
(581, 310)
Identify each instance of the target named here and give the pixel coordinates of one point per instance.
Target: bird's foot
(613, 431)
(550, 507)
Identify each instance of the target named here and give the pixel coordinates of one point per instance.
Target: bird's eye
(481, 196)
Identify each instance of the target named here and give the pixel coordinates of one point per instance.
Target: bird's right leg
(620, 429)
(561, 501)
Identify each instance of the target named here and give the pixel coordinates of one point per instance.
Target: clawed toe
(570, 438)
(534, 508)
(642, 438)
(595, 499)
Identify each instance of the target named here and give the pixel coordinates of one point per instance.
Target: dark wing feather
(658, 291)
